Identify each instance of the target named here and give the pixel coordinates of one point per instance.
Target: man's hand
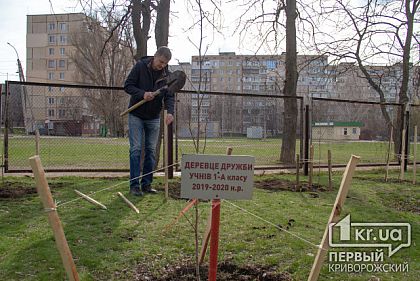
(169, 118)
(148, 96)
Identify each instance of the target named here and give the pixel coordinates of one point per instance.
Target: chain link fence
(250, 124)
(80, 128)
(360, 128)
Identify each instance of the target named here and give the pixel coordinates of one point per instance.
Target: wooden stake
(186, 208)
(165, 153)
(91, 200)
(311, 165)
(329, 171)
(37, 142)
(53, 218)
(415, 155)
(402, 155)
(389, 151)
(334, 216)
(297, 172)
(131, 205)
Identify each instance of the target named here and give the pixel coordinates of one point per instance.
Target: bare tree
(267, 18)
(104, 64)
(374, 31)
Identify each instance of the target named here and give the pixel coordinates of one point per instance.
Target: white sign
(217, 176)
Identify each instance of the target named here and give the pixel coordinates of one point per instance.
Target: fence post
(170, 151)
(6, 129)
(306, 148)
(415, 155)
(176, 131)
(407, 138)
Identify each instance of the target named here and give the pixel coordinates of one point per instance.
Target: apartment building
(245, 74)
(55, 109)
(265, 75)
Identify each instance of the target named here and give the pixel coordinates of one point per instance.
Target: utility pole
(25, 100)
(20, 69)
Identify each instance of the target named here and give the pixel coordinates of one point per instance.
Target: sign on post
(217, 176)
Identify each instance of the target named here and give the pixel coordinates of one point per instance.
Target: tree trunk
(161, 36)
(288, 146)
(162, 23)
(141, 16)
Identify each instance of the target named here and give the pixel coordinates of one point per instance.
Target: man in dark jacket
(147, 76)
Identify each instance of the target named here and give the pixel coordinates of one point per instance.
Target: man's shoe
(149, 189)
(135, 191)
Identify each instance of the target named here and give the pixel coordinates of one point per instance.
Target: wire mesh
(251, 125)
(80, 127)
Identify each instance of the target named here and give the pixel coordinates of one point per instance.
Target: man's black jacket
(142, 78)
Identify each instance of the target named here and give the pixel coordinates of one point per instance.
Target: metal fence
(361, 128)
(81, 130)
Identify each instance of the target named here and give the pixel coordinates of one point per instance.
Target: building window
(354, 131)
(61, 101)
(271, 64)
(61, 75)
(51, 26)
(50, 100)
(50, 75)
(61, 113)
(49, 89)
(345, 131)
(61, 63)
(62, 89)
(63, 39)
(62, 51)
(51, 63)
(51, 39)
(51, 113)
(63, 26)
(51, 51)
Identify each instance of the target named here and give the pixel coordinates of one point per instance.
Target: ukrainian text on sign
(217, 176)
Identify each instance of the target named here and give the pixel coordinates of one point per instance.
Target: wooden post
(402, 172)
(214, 233)
(131, 205)
(90, 199)
(297, 172)
(53, 218)
(415, 155)
(389, 151)
(334, 216)
(311, 165)
(165, 153)
(37, 142)
(329, 171)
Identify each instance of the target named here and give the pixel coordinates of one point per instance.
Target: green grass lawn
(111, 244)
(112, 153)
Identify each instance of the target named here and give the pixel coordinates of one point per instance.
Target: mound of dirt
(226, 271)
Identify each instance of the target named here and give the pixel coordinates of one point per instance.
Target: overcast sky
(13, 30)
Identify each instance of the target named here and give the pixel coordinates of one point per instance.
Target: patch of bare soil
(275, 185)
(12, 190)
(15, 190)
(407, 205)
(226, 271)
